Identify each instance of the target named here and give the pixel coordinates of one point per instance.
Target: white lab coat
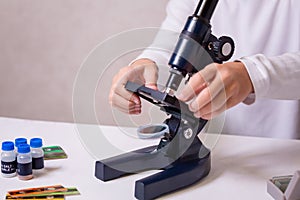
(267, 39)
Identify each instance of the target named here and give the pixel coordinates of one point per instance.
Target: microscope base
(128, 163)
(179, 174)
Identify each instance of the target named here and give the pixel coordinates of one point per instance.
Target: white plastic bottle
(24, 162)
(8, 160)
(37, 153)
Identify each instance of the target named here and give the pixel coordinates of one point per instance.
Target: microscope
(180, 155)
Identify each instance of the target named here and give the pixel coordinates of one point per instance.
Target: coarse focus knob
(223, 48)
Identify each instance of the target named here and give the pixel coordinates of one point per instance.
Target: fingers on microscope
(198, 82)
(127, 102)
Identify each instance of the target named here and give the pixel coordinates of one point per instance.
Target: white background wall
(43, 44)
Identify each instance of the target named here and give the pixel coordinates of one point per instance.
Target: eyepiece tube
(198, 7)
(205, 9)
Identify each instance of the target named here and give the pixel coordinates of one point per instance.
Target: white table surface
(240, 165)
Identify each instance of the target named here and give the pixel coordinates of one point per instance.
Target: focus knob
(223, 48)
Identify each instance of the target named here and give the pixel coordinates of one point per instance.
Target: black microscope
(180, 155)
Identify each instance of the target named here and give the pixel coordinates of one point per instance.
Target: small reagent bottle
(19, 141)
(8, 160)
(37, 153)
(24, 162)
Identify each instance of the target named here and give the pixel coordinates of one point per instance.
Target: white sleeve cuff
(274, 77)
(257, 73)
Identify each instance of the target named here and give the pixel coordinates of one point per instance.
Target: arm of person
(276, 77)
(221, 86)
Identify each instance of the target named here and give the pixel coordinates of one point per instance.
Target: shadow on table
(45, 171)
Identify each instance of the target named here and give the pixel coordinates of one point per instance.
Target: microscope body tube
(190, 55)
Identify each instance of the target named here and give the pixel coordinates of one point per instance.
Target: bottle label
(8, 167)
(38, 163)
(24, 169)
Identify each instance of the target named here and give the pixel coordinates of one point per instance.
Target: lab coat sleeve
(161, 48)
(275, 77)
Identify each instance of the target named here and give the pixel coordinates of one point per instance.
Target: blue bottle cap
(19, 141)
(36, 142)
(8, 146)
(23, 148)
